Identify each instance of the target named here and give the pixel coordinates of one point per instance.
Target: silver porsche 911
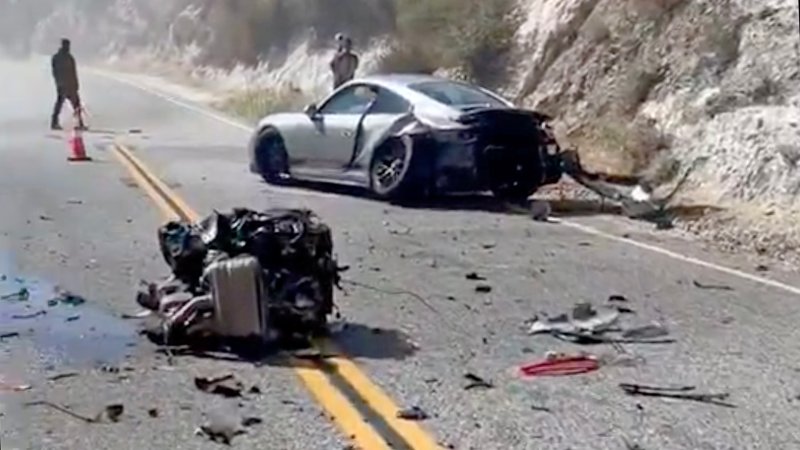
(410, 135)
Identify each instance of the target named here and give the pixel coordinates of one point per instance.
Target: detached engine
(246, 277)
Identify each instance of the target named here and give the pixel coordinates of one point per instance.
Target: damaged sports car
(410, 135)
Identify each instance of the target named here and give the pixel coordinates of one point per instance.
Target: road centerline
(320, 378)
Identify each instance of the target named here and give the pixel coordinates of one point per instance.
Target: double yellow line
(361, 410)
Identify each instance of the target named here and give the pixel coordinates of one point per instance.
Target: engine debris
(244, 279)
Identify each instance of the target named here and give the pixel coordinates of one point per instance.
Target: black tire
(271, 158)
(395, 155)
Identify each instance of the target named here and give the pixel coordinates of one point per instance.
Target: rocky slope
(636, 84)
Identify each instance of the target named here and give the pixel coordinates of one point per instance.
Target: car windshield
(458, 95)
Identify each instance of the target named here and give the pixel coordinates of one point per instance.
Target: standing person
(65, 75)
(344, 63)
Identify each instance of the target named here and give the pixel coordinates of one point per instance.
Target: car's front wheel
(392, 172)
(271, 158)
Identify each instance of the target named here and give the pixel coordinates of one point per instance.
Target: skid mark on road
(320, 378)
(574, 225)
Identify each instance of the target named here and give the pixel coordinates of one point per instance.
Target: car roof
(400, 84)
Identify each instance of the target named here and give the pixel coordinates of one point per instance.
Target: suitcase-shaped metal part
(237, 290)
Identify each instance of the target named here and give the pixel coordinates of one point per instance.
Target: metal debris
(652, 331)
(680, 393)
(585, 318)
(22, 295)
(476, 382)
(226, 386)
(29, 316)
(414, 413)
(712, 287)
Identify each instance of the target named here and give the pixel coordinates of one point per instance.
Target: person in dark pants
(65, 75)
(344, 63)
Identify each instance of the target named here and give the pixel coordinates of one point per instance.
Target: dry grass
(253, 104)
(472, 35)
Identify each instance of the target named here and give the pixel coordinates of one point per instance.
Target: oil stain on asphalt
(65, 328)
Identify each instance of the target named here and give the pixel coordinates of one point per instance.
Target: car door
(334, 124)
(388, 110)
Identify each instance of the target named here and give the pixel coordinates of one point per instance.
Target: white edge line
(688, 259)
(574, 225)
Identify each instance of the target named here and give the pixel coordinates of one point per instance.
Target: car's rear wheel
(392, 171)
(272, 160)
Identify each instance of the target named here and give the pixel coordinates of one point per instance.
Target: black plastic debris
(21, 295)
(114, 412)
(474, 276)
(153, 412)
(226, 386)
(483, 288)
(413, 413)
(476, 382)
(8, 335)
(252, 421)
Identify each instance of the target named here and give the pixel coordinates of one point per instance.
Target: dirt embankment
(636, 85)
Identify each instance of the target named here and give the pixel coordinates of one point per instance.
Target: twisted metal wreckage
(255, 277)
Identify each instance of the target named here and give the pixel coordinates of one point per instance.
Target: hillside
(636, 85)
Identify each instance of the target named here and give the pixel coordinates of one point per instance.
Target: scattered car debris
(483, 288)
(245, 277)
(8, 335)
(114, 412)
(652, 331)
(226, 386)
(711, 287)
(13, 387)
(541, 409)
(72, 318)
(413, 413)
(584, 318)
(22, 295)
(62, 376)
(29, 316)
(139, 315)
(762, 268)
(111, 412)
(73, 201)
(560, 365)
(67, 298)
(474, 276)
(617, 298)
(252, 421)
(476, 382)
(680, 393)
(153, 412)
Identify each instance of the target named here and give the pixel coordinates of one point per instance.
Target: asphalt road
(415, 324)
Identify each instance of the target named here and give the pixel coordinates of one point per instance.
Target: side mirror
(311, 110)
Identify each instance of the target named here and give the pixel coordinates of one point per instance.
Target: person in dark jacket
(65, 75)
(344, 63)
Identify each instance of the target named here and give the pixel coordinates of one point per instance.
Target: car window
(455, 94)
(351, 100)
(390, 103)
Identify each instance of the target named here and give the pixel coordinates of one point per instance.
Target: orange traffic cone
(76, 146)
